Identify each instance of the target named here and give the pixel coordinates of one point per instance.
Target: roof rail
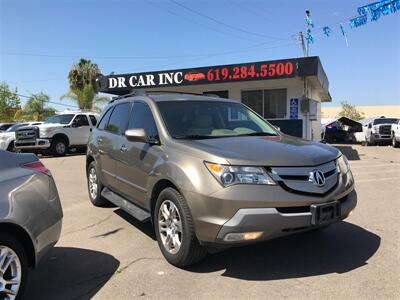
(145, 93)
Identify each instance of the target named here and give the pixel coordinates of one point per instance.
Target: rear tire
(59, 147)
(95, 186)
(17, 269)
(188, 250)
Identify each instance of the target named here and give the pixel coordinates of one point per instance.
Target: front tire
(13, 267)
(395, 143)
(175, 230)
(59, 147)
(11, 147)
(95, 186)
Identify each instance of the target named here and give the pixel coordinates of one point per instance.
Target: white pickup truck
(396, 134)
(57, 134)
(379, 130)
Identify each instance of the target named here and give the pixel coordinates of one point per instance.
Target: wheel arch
(61, 136)
(89, 159)
(159, 186)
(23, 236)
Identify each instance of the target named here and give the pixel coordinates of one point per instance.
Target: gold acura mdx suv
(210, 173)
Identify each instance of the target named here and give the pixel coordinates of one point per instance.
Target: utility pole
(303, 44)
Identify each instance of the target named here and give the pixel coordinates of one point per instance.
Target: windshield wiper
(258, 134)
(193, 137)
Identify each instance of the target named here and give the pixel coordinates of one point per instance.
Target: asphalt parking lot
(104, 253)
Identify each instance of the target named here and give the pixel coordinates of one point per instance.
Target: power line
(191, 21)
(223, 23)
(51, 102)
(250, 10)
(213, 55)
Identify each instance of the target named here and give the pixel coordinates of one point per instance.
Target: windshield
(15, 127)
(385, 121)
(60, 119)
(211, 119)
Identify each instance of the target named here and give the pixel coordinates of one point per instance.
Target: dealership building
(287, 92)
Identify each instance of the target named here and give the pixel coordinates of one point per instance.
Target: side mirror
(370, 125)
(136, 135)
(277, 128)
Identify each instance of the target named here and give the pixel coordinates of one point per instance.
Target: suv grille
(27, 134)
(298, 179)
(385, 129)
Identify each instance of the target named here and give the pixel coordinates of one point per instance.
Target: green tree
(10, 102)
(81, 79)
(350, 111)
(36, 107)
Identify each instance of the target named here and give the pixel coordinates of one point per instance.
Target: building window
(221, 94)
(271, 104)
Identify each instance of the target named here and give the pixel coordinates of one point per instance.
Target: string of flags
(371, 12)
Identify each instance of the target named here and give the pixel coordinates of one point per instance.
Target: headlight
(343, 164)
(229, 175)
(45, 131)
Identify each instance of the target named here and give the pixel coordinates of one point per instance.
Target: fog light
(242, 236)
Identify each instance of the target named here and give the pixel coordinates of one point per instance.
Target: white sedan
(7, 137)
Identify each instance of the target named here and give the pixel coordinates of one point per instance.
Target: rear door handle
(123, 148)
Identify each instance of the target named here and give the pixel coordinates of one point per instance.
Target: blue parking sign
(294, 108)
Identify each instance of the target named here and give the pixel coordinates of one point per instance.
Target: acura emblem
(317, 178)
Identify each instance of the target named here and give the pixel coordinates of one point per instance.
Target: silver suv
(211, 173)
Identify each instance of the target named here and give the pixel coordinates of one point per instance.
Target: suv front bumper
(273, 223)
(33, 144)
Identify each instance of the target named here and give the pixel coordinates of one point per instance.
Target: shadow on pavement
(146, 228)
(338, 249)
(70, 273)
(348, 151)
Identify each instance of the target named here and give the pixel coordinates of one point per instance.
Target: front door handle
(123, 148)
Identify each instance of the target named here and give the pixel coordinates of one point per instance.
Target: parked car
(57, 134)
(30, 219)
(5, 126)
(340, 130)
(211, 173)
(379, 131)
(396, 134)
(7, 138)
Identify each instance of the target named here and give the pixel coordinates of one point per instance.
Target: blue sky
(41, 39)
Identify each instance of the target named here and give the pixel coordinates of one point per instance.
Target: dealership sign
(124, 83)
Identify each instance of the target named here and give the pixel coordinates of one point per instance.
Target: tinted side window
(93, 119)
(81, 120)
(142, 117)
(104, 119)
(119, 118)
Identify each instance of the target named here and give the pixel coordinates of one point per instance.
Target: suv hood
(265, 150)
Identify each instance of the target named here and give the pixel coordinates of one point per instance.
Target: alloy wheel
(10, 273)
(60, 148)
(170, 226)
(93, 183)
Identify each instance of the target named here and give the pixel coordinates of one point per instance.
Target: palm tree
(85, 98)
(81, 80)
(36, 108)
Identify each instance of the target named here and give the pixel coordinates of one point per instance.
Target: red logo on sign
(194, 76)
